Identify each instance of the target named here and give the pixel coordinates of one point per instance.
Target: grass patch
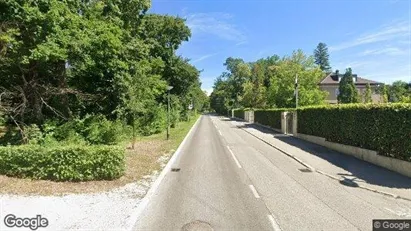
(141, 161)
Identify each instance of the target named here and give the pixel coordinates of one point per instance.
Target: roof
(332, 79)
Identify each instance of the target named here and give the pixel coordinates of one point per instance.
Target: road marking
(154, 187)
(254, 191)
(220, 133)
(274, 223)
(235, 159)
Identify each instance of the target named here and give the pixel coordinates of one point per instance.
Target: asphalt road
(229, 180)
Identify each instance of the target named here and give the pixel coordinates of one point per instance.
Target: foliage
(281, 93)
(367, 94)
(384, 94)
(322, 57)
(239, 113)
(153, 121)
(267, 82)
(66, 59)
(347, 91)
(89, 130)
(63, 163)
(397, 90)
(254, 90)
(385, 128)
(269, 117)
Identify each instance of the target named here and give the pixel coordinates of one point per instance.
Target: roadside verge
(144, 202)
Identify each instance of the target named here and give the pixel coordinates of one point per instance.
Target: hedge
(269, 117)
(64, 163)
(239, 113)
(385, 128)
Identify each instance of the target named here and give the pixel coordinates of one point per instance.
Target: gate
(289, 124)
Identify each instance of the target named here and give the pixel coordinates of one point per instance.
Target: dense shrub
(153, 121)
(63, 163)
(92, 129)
(385, 128)
(269, 117)
(239, 113)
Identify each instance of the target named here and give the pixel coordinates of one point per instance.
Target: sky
(371, 37)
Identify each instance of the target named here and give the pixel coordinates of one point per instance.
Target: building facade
(331, 84)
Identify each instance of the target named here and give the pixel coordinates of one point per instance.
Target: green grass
(177, 134)
(141, 161)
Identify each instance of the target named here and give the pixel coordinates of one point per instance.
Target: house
(331, 82)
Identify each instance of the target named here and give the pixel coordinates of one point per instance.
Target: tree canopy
(322, 57)
(268, 82)
(347, 91)
(63, 59)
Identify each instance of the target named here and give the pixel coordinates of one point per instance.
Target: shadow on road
(361, 171)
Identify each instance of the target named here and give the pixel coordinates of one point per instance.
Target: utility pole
(296, 90)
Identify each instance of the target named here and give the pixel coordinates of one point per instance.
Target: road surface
(227, 179)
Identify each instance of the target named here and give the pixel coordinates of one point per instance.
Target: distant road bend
(230, 180)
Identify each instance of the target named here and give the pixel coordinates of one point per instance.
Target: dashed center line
(275, 225)
(254, 191)
(235, 159)
(220, 133)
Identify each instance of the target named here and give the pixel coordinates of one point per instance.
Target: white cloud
(389, 32)
(217, 24)
(382, 55)
(241, 43)
(394, 51)
(203, 58)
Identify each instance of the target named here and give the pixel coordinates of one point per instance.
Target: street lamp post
(296, 91)
(168, 111)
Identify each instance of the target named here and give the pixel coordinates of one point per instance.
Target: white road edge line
(254, 191)
(235, 159)
(150, 193)
(274, 223)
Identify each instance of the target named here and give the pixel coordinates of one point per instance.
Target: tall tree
(385, 94)
(60, 59)
(281, 92)
(347, 91)
(368, 93)
(322, 57)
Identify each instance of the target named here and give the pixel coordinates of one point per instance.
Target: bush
(269, 117)
(63, 163)
(153, 121)
(385, 128)
(239, 113)
(93, 129)
(99, 130)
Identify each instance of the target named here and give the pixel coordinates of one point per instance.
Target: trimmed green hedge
(269, 117)
(64, 163)
(385, 128)
(239, 113)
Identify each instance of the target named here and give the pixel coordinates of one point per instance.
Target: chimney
(337, 73)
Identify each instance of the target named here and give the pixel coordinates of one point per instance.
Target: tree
(347, 89)
(322, 57)
(254, 95)
(66, 59)
(281, 92)
(368, 93)
(385, 94)
(397, 90)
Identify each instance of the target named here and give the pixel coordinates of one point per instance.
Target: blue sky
(371, 37)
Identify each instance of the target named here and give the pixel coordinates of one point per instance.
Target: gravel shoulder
(105, 205)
